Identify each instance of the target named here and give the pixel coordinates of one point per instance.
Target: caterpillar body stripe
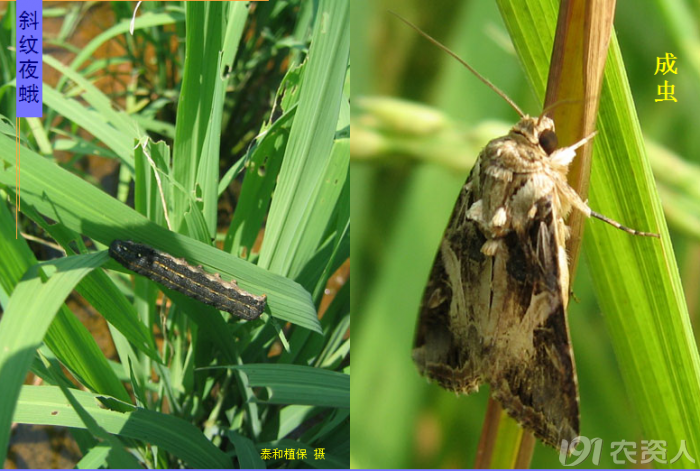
(191, 281)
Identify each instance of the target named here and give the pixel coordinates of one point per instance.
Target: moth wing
(449, 346)
(532, 371)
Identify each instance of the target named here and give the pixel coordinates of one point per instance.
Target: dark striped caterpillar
(191, 281)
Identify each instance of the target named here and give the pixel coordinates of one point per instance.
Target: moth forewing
(494, 308)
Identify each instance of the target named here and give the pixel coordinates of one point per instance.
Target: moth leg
(500, 217)
(564, 155)
(614, 223)
(491, 247)
(573, 296)
(475, 212)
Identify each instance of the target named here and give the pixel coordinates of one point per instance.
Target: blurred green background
(400, 207)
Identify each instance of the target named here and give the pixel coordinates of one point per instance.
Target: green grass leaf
(29, 313)
(298, 384)
(292, 236)
(46, 405)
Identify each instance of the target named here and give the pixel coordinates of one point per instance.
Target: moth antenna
(461, 61)
(614, 223)
(561, 102)
(554, 105)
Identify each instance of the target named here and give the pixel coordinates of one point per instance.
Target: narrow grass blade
(297, 384)
(246, 452)
(46, 405)
(29, 313)
(194, 110)
(118, 455)
(284, 249)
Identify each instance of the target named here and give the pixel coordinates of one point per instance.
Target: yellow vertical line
(16, 177)
(19, 167)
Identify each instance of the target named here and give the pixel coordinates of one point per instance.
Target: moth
(494, 308)
(191, 281)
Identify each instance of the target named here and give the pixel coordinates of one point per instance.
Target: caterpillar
(177, 274)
